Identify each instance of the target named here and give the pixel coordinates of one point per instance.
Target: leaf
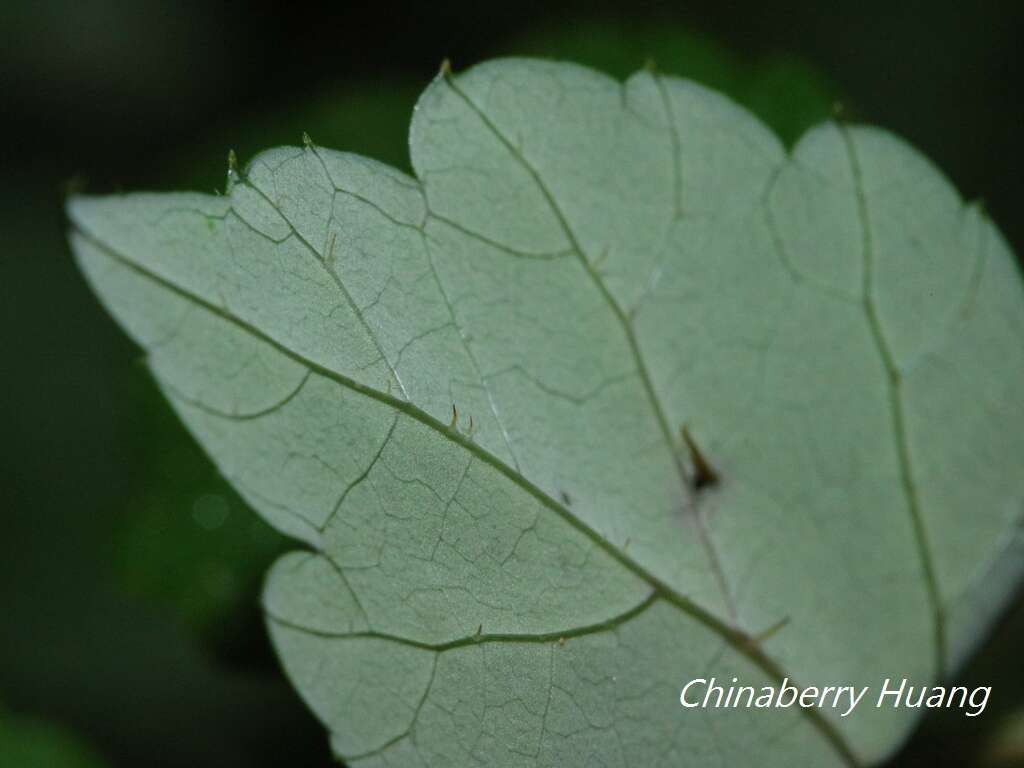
(467, 392)
(205, 576)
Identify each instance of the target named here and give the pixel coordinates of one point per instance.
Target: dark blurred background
(129, 572)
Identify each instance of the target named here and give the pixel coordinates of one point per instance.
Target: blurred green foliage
(28, 743)
(184, 537)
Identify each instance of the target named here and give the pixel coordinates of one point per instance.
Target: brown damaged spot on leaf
(704, 475)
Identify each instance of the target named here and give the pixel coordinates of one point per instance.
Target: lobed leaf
(481, 397)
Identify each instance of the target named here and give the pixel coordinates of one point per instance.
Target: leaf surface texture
(465, 392)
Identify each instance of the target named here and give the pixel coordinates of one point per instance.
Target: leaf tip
(232, 169)
(445, 70)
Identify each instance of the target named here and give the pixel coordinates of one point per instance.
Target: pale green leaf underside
(581, 267)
